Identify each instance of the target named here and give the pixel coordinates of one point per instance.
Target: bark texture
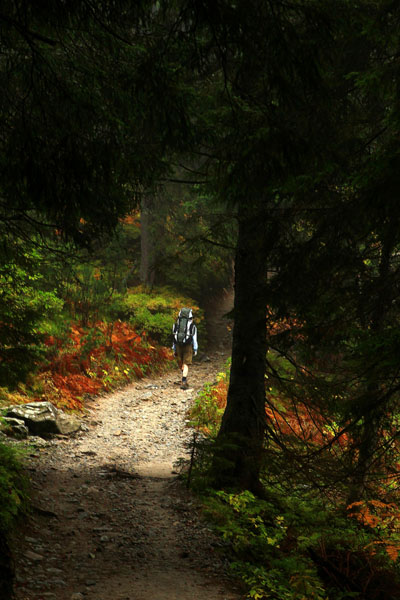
(240, 441)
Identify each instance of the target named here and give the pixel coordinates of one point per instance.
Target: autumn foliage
(97, 359)
(384, 519)
(323, 544)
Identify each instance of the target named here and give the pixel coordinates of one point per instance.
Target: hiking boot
(184, 385)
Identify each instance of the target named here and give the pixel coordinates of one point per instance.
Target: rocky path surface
(111, 519)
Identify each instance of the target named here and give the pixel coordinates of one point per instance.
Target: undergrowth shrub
(155, 312)
(296, 546)
(298, 543)
(87, 361)
(82, 360)
(13, 504)
(209, 405)
(13, 487)
(24, 305)
(102, 357)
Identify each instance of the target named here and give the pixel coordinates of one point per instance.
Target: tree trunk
(240, 442)
(147, 267)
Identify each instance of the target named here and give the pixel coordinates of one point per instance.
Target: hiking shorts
(184, 354)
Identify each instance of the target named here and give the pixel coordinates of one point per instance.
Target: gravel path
(111, 520)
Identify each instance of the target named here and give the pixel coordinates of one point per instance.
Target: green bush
(154, 312)
(298, 547)
(267, 552)
(209, 405)
(13, 487)
(23, 310)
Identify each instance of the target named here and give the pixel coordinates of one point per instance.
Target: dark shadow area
(6, 569)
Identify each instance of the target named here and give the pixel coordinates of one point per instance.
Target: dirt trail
(112, 522)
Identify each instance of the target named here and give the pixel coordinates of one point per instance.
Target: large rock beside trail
(14, 428)
(43, 418)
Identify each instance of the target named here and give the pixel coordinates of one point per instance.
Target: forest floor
(111, 519)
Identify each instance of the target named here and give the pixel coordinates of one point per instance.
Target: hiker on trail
(185, 342)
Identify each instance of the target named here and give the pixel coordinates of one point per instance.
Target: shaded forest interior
(150, 154)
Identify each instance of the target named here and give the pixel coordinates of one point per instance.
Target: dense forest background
(143, 147)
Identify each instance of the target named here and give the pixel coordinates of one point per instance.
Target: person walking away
(185, 344)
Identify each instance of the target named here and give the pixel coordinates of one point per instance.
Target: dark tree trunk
(240, 441)
(147, 267)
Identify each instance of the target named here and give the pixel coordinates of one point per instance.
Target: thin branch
(186, 181)
(26, 33)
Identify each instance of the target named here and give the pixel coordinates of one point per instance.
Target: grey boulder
(14, 427)
(43, 418)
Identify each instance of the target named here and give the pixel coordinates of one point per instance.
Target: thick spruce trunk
(240, 442)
